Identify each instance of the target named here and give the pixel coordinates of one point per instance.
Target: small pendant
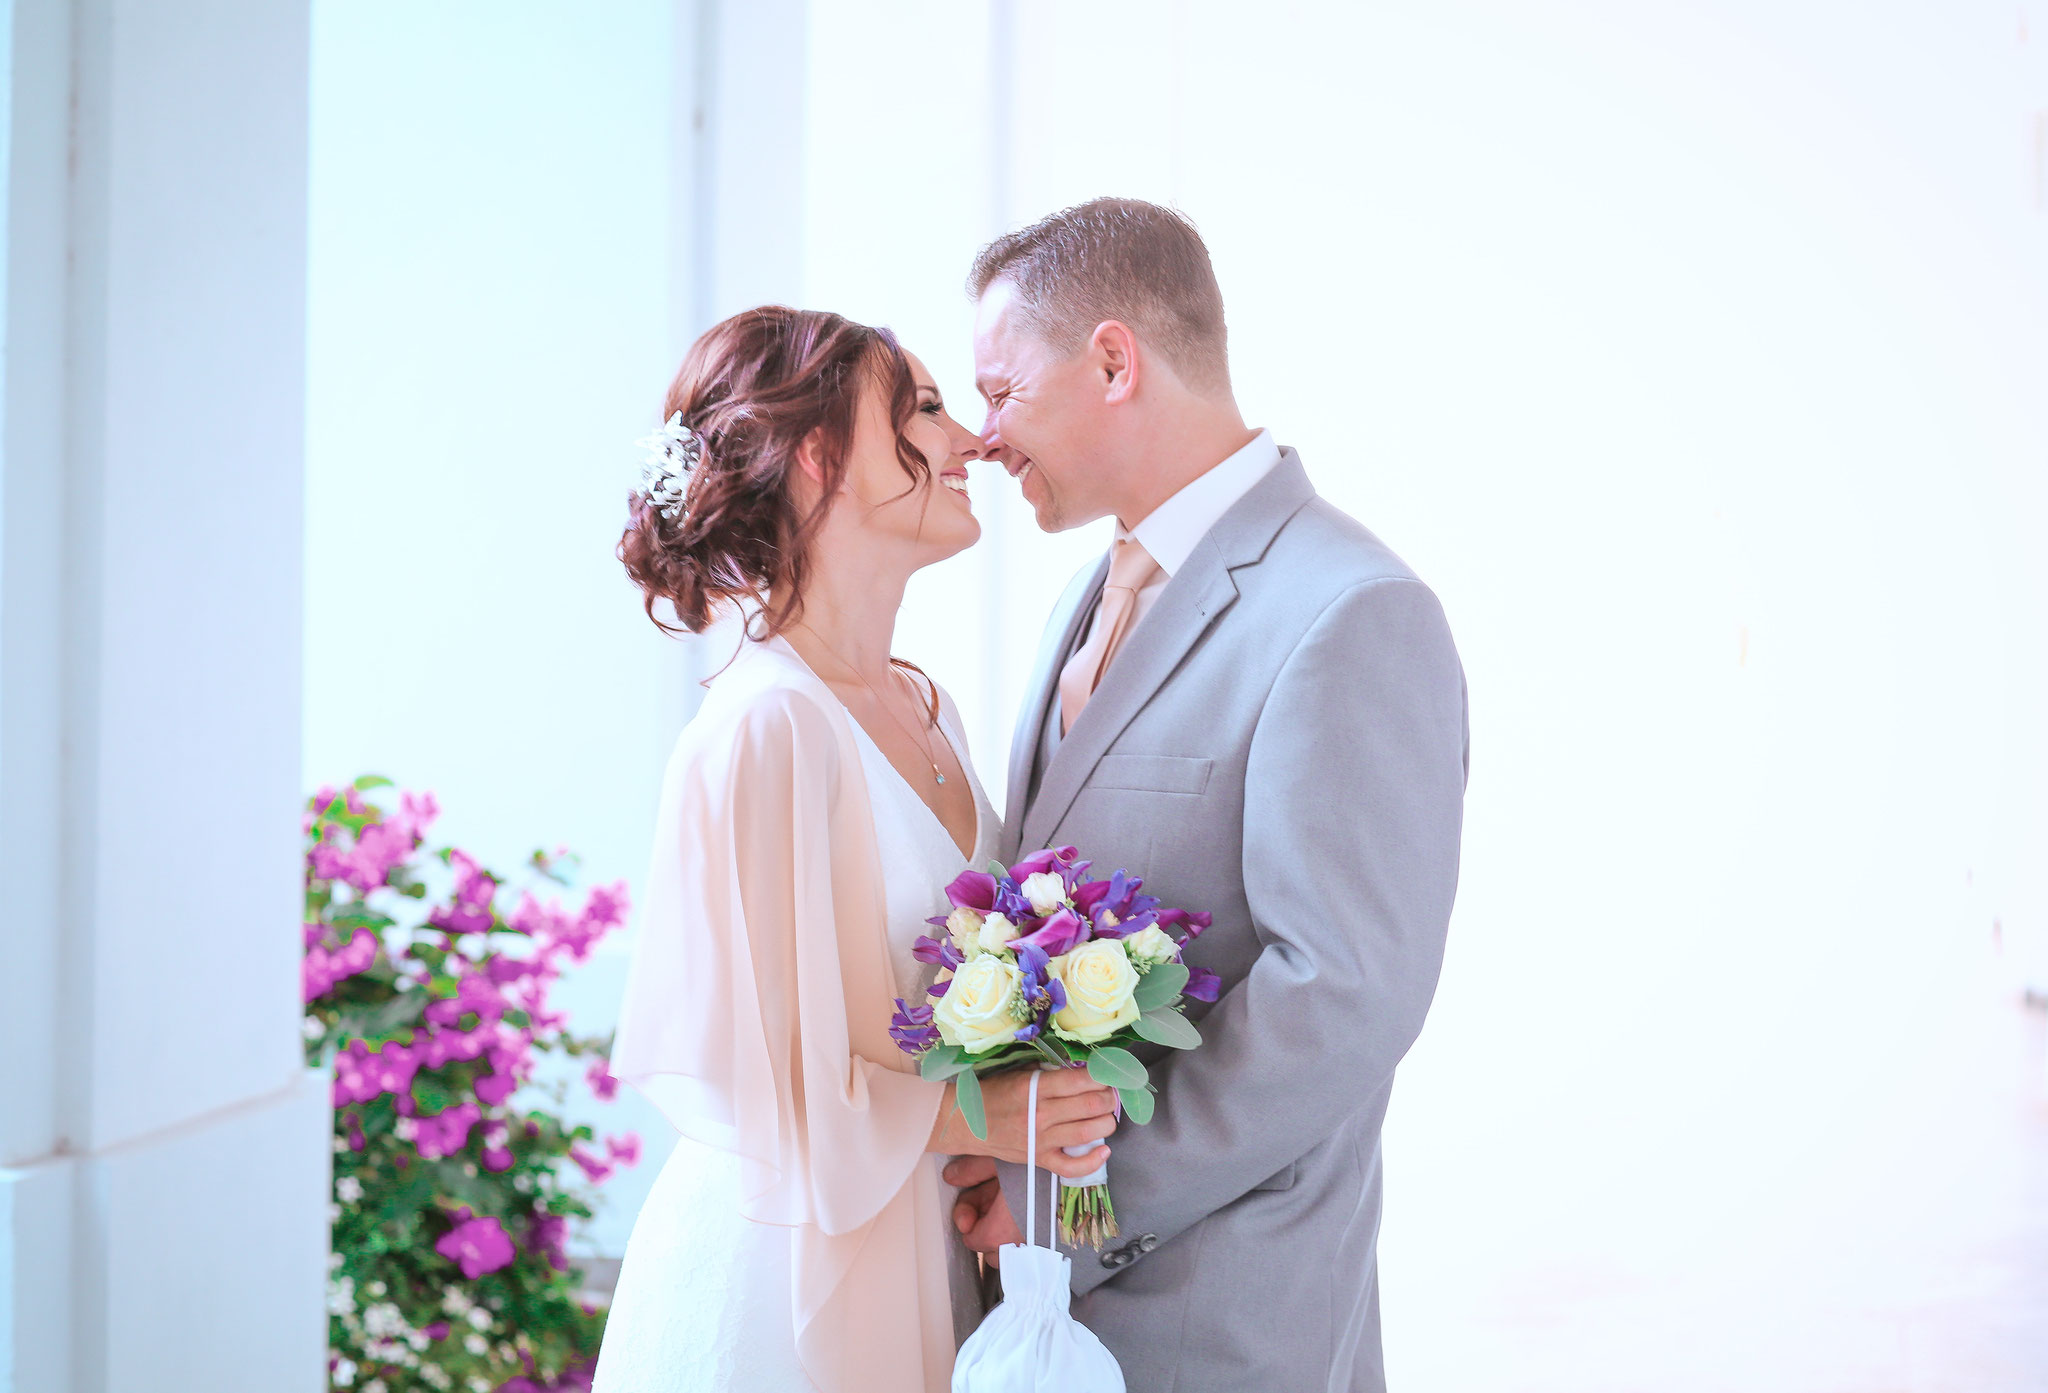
(941, 777)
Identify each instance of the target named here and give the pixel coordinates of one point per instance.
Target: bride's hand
(1073, 1109)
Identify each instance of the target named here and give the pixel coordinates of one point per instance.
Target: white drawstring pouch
(1031, 1343)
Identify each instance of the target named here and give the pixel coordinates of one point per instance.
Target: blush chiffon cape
(756, 1017)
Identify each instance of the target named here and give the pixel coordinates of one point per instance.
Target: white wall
(156, 1111)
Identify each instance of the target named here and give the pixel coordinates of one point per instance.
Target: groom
(1255, 705)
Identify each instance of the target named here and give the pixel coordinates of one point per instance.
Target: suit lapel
(1190, 604)
(1062, 631)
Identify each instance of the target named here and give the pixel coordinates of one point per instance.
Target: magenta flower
(475, 992)
(446, 1132)
(479, 1246)
(623, 1150)
(599, 1077)
(474, 892)
(595, 1167)
(546, 1236)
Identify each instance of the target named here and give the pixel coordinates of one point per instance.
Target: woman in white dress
(811, 816)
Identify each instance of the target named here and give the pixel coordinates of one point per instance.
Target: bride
(812, 813)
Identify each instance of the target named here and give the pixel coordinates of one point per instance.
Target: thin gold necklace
(929, 756)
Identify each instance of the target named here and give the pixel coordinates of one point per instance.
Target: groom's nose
(992, 446)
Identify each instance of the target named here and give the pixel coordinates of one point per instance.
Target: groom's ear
(1114, 349)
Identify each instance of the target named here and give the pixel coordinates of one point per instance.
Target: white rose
(975, 1011)
(1099, 980)
(962, 925)
(1046, 891)
(996, 933)
(1151, 945)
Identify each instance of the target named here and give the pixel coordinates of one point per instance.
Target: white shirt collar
(1172, 530)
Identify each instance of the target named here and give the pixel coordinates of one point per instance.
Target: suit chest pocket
(1151, 773)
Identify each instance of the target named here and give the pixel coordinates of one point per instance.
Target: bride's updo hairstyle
(752, 390)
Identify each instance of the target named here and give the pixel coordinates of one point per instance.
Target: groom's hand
(981, 1214)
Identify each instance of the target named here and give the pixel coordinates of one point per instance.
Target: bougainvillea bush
(453, 1193)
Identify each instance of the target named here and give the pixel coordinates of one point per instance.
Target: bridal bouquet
(1040, 963)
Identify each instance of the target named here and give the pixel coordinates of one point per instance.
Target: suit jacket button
(1147, 1242)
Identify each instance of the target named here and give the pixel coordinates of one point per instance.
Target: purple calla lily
(972, 890)
(1045, 860)
(1203, 985)
(1057, 934)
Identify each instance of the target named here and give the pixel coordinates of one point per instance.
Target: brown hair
(1116, 258)
(753, 389)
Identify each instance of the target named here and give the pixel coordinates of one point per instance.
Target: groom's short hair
(1116, 258)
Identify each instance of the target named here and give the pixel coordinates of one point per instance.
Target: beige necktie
(1131, 569)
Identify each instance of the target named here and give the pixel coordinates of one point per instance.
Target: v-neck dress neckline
(943, 726)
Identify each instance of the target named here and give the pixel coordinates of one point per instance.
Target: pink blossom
(361, 1074)
(599, 1076)
(437, 1331)
(546, 1236)
(623, 1150)
(323, 967)
(594, 1166)
(497, 1159)
(474, 892)
(494, 1089)
(475, 992)
(478, 1245)
(447, 1132)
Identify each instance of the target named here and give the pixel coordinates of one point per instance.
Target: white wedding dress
(703, 1303)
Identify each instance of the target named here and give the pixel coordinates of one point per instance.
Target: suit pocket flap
(1152, 773)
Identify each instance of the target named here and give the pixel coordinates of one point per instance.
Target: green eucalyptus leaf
(1168, 1027)
(942, 1062)
(1161, 986)
(997, 869)
(1115, 1067)
(967, 1093)
(370, 781)
(1137, 1104)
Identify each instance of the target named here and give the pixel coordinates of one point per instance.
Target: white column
(163, 1206)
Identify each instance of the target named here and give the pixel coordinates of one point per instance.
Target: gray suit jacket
(1281, 741)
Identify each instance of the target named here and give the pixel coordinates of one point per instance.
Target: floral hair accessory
(672, 452)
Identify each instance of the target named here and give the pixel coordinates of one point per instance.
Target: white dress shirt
(1171, 531)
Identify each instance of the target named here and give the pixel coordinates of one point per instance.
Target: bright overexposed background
(1693, 351)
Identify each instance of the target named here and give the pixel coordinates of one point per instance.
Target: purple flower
(323, 967)
(474, 892)
(912, 1029)
(938, 951)
(475, 992)
(1057, 934)
(446, 1132)
(496, 1159)
(546, 1235)
(478, 1245)
(971, 890)
(1043, 861)
(599, 1077)
(437, 1331)
(1203, 985)
(494, 1089)
(594, 1166)
(623, 1150)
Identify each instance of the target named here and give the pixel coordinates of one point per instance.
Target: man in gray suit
(1255, 705)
